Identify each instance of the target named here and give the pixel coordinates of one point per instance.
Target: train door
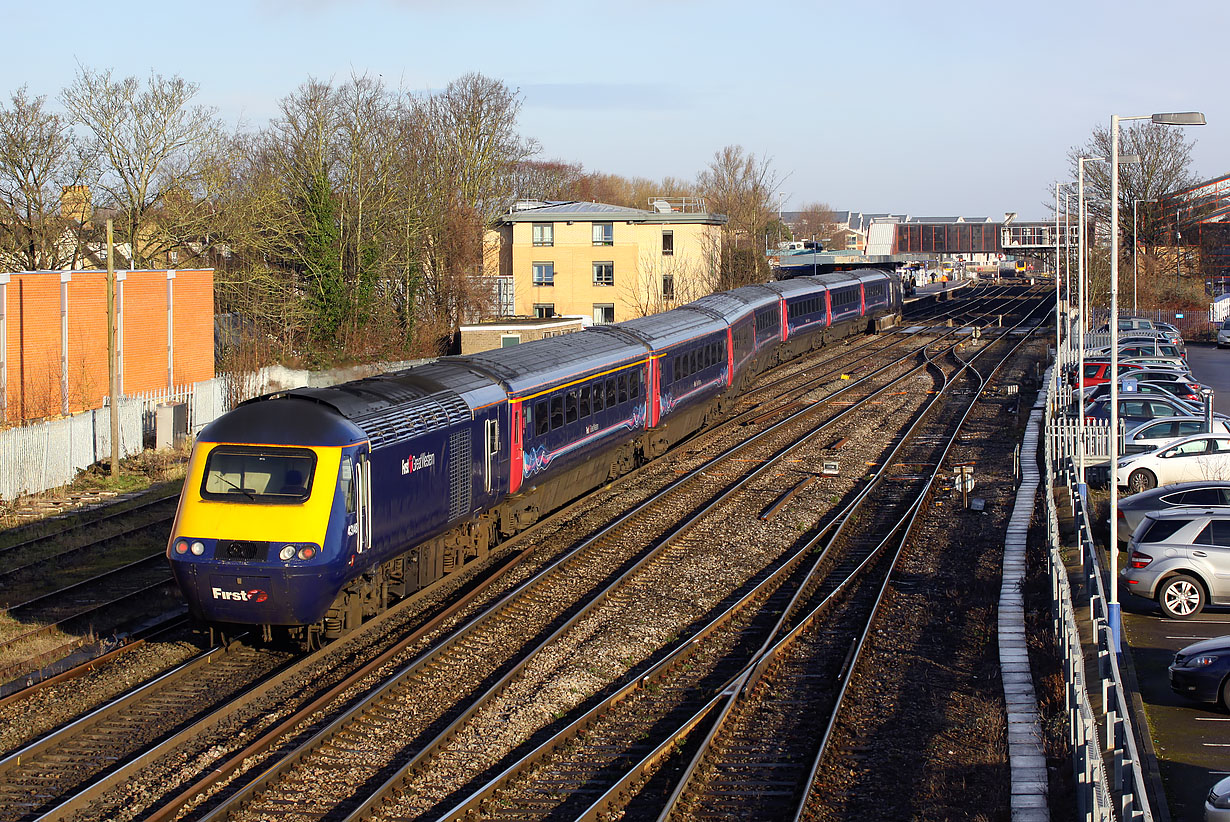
(491, 450)
(363, 477)
(356, 487)
(516, 434)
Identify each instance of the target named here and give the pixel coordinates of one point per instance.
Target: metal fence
(34, 458)
(1106, 762)
(38, 457)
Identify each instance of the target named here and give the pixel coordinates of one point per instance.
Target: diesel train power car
(308, 510)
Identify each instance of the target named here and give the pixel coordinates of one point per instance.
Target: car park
(1181, 558)
(1157, 433)
(1199, 493)
(1201, 671)
(1201, 457)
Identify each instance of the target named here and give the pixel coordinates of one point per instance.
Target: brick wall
(42, 378)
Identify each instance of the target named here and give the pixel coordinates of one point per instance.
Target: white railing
(1110, 782)
(34, 458)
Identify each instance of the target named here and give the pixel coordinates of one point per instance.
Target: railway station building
(604, 262)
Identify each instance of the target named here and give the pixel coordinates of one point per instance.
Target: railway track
(398, 715)
(560, 778)
(69, 805)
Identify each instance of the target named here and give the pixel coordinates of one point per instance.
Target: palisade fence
(45, 455)
(39, 457)
(1110, 784)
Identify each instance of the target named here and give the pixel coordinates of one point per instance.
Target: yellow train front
(268, 527)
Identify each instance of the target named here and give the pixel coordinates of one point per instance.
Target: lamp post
(1081, 321)
(1184, 118)
(1135, 248)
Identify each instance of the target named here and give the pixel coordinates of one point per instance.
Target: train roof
(661, 331)
(757, 296)
(873, 274)
(722, 305)
(286, 420)
(796, 286)
(555, 359)
(833, 279)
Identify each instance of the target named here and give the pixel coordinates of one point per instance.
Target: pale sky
(932, 108)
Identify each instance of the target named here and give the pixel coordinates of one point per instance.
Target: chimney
(75, 204)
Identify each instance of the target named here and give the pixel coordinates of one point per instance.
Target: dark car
(1203, 493)
(1202, 671)
(1170, 391)
(1137, 410)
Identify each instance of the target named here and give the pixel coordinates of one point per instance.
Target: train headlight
(181, 547)
(198, 548)
(307, 552)
(287, 553)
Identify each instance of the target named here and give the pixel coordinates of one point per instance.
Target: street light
(1135, 248)
(1058, 337)
(1182, 118)
(1082, 308)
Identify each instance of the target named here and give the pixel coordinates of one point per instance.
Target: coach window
(610, 392)
(557, 412)
(570, 407)
(598, 396)
(634, 384)
(584, 400)
(542, 423)
(623, 388)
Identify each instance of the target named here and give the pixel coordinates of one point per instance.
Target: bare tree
(39, 159)
(816, 221)
(149, 142)
(1165, 166)
(740, 186)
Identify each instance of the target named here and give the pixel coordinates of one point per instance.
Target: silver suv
(1181, 558)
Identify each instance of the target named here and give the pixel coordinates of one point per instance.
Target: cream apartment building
(607, 262)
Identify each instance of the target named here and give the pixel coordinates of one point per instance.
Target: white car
(1161, 432)
(1223, 334)
(1204, 456)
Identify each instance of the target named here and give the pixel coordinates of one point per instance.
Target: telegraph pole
(112, 370)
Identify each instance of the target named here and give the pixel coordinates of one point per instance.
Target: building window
(604, 273)
(544, 311)
(604, 313)
(509, 340)
(668, 243)
(668, 286)
(544, 273)
(544, 234)
(604, 234)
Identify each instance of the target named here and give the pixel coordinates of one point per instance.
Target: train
(304, 512)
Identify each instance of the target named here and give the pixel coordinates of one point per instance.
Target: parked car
(1201, 457)
(1199, 493)
(1167, 376)
(1181, 558)
(1157, 433)
(1137, 347)
(1142, 388)
(1129, 324)
(1201, 671)
(1098, 371)
(1223, 334)
(1137, 410)
(1217, 803)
